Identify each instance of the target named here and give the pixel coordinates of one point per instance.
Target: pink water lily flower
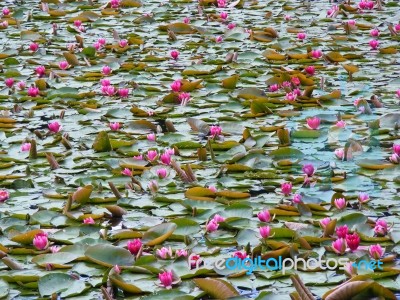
(291, 96)
(127, 172)
(153, 186)
(363, 197)
(40, 71)
(374, 44)
(176, 86)
(212, 226)
(134, 246)
(374, 32)
(265, 231)
(240, 254)
(342, 231)
(9, 82)
(109, 90)
(123, 93)
(174, 54)
(295, 80)
(297, 198)
(26, 147)
(376, 251)
(164, 252)
(215, 130)
(4, 195)
(301, 36)
(316, 53)
(152, 155)
(340, 203)
(313, 123)
(123, 43)
(231, 26)
(162, 173)
(351, 22)
(105, 82)
(381, 227)
(77, 23)
(341, 124)
(89, 221)
(324, 222)
(217, 218)
(33, 91)
(339, 246)
(63, 65)
(165, 159)
(273, 88)
(6, 11)
(106, 70)
(114, 126)
(332, 11)
(170, 151)
(223, 15)
(97, 46)
(310, 70)
(151, 137)
(308, 169)
(353, 241)
(221, 3)
(394, 158)
(181, 253)
(21, 85)
(184, 98)
(396, 148)
(380, 231)
(264, 216)
(212, 188)
(54, 126)
(166, 279)
(339, 153)
(115, 3)
(40, 241)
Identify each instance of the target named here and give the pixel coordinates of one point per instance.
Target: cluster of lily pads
(142, 143)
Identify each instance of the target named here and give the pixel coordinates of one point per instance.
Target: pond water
(136, 135)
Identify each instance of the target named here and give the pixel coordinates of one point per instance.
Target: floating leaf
(57, 259)
(61, 283)
(71, 58)
(82, 194)
(200, 193)
(102, 142)
(216, 288)
(109, 256)
(230, 82)
(30, 35)
(125, 286)
(198, 125)
(335, 57)
(159, 233)
(374, 164)
(273, 55)
(27, 237)
(179, 28)
(131, 3)
(351, 68)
